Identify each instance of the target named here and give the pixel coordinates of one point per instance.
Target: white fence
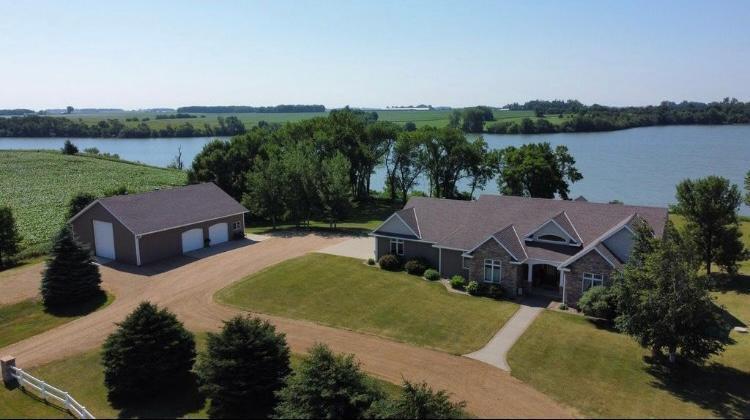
(47, 392)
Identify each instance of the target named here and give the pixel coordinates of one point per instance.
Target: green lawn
(28, 318)
(87, 387)
(345, 293)
(38, 185)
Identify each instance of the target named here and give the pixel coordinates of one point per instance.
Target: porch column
(562, 281)
(531, 269)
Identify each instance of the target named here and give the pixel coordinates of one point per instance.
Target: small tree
(419, 401)
(9, 237)
(243, 367)
(148, 355)
(266, 186)
(69, 148)
(70, 277)
(710, 206)
(662, 304)
(536, 170)
(79, 202)
(334, 189)
(327, 386)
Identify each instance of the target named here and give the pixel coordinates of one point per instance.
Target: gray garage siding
(452, 262)
(160, 245)
(83, 227)
(412, 249)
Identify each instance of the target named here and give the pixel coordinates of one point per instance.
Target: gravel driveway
(187, 285)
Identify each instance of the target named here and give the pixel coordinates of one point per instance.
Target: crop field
(38, 185)
(437, 118)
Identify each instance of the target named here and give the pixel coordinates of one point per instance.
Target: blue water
(636, 166)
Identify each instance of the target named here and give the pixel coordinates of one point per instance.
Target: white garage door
(218, 233)
(104, 239)
(192, 240)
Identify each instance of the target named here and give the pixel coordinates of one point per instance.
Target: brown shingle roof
(169, 208)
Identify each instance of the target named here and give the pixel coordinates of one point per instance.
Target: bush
(70, 277)
(69, 148)
(458, 282)
(599, 302)
(9, 237)
(389, 262)
(79, 202)
(472, 288)
(416, 266)
(431, 274)
(418, 401)
(327, 386)
(148, 355)
(493, 291)
(370, 261)
(243, 367)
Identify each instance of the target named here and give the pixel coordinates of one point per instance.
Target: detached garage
(142, 228)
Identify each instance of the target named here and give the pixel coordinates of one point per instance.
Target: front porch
(541, 279)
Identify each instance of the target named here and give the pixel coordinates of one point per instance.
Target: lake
(636, 166)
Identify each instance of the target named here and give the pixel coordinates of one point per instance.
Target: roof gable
(398, 224)
(559, 225)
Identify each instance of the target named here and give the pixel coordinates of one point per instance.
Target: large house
(142, 228)
(552, 247)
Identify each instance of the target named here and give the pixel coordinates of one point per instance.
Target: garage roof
(165, 209)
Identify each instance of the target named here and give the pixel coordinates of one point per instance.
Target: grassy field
(38, 186)
(437, 118)
(87, 387)
(606, 374)
(345, 293)
(28, 318)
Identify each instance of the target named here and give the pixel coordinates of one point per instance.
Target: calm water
(637, 166)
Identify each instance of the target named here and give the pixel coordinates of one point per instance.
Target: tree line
(259, 109)
(42, 126)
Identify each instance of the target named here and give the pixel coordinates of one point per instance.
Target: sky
(142, 54)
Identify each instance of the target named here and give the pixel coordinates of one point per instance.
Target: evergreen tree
(71, 277)
(664, 307)
(243, 367)
(148, 355)
(418, 401)
(9, 237)
(327, 386)
(69, 148)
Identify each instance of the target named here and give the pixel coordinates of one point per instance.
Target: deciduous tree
(536, 170)
(9, 237)
(79, 202)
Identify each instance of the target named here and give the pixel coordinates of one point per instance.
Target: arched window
(552, 238)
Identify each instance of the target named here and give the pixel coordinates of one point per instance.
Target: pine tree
(418, 401)
(244, 366)
(148, 355)
(71, 277)
(9, 237)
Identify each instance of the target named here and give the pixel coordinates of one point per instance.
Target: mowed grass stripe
(345, 293)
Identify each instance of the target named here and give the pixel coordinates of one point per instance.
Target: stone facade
(510, 273)
(589, 263)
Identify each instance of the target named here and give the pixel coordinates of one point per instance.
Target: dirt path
(187, 286)
(19, 284)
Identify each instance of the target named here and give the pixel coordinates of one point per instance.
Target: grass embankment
(86, 385)
(345, 293)
(38, 185)
(28, 318)
(606, 374)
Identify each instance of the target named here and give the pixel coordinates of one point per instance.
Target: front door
(545, 277)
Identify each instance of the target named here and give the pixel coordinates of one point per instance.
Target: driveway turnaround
(186, 286)
(360, 247)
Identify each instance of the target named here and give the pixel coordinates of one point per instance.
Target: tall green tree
(244, 366)
(664, 306)
(149, 355)
(302, 172)
(419, 401)
(446, 155)
(482, 166)
(335, 196)
(9, 237)
(408, 164)
(475, 117)
(79, 202)
(536, 170)
(710, 206)
(327, 386)
(266, 188)
(71, 277)
(747, 188)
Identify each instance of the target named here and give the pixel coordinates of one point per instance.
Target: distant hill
(233, 109)
(14, 112)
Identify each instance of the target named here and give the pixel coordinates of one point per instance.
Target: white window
(590, 280)
(466, 264)
(397, 246)
(236, 226)
(492, 271)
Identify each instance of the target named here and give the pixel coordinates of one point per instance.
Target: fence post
(7, 363)
(67, 401)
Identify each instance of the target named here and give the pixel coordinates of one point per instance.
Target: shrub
(79, 202)
(472, 288)
(148, 355)
(69, 148)
(599, 302)
(389, 262)
(70, 277)
(418, 401)
(493, 291)
(370, 261)
(458, 282)
(416, 266)
(243, 367)
(9, 237)
(327, 386)
(431, 274)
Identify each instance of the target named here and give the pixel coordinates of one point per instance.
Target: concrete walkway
(496, 351)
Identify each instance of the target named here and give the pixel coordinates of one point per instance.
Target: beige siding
(83, 227)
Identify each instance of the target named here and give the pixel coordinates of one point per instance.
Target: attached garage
(142, 228)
